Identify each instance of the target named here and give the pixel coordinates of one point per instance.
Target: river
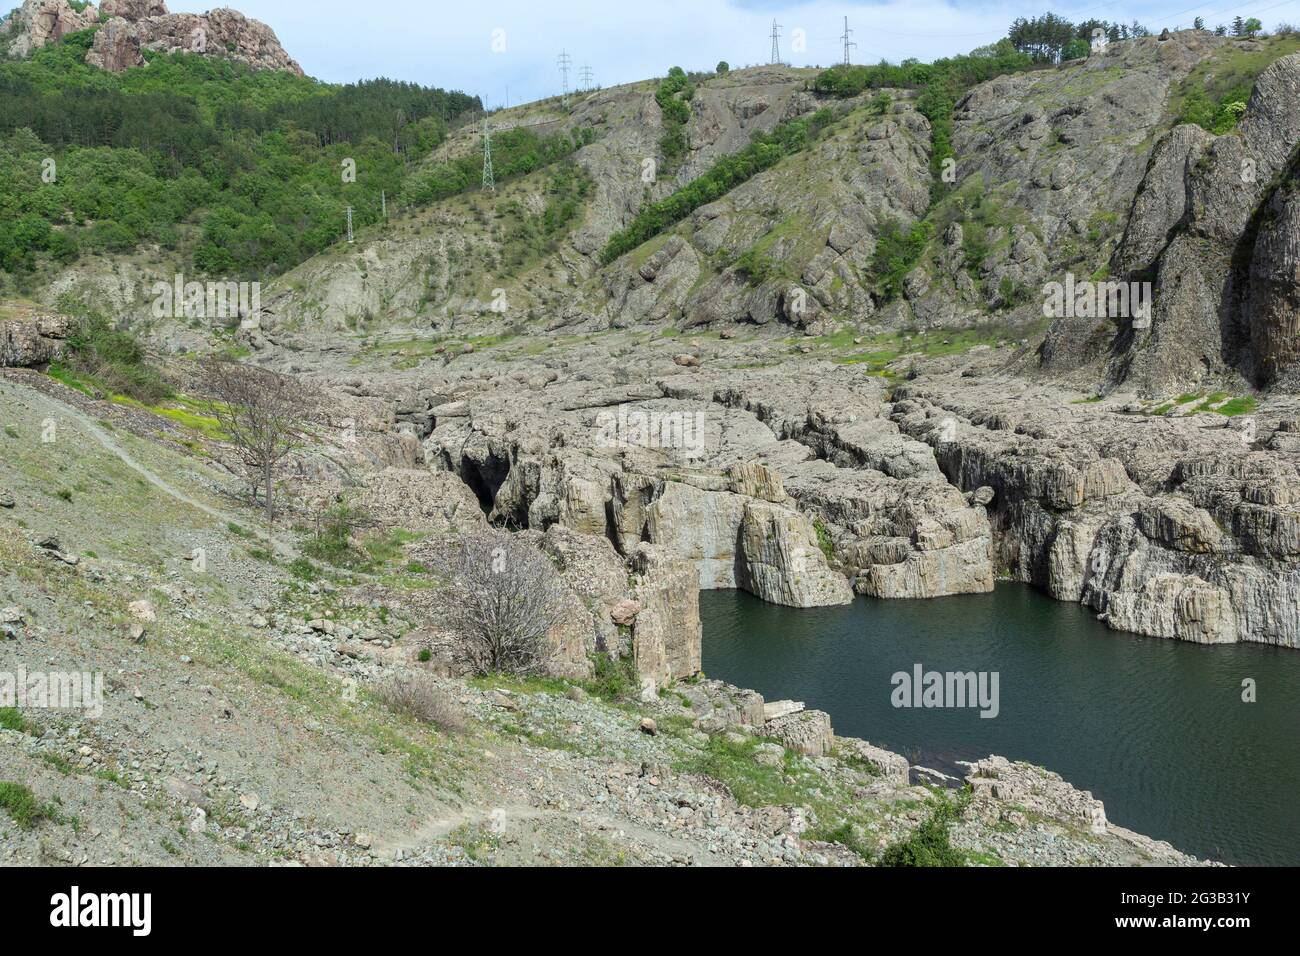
(1157, 729)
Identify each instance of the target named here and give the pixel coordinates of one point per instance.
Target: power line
(489, 178)
(565, 61)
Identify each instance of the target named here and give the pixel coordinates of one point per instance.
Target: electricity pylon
(489, 178)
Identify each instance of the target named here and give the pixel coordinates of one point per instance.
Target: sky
(510, 48)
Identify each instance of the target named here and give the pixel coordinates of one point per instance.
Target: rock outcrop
(1034, 790)
(131, 27)
(40, 22)
(1222, 310)
(140, 25)
(1273, 297)
(32, 340)
(667, 637)
(1172, 528)
(788, 486)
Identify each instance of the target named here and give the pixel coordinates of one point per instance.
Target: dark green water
(1155, 728)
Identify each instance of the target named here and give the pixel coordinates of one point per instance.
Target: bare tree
(504, 600)
(262, 413)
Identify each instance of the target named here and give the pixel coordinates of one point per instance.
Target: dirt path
(518, 818)
(57, 409)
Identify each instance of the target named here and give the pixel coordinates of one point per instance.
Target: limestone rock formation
(31, 340)
(785, 485)
(133, 26)
(1204, 200)
(1168, 528)
(139, 25)
(40, 22)
(666, 634)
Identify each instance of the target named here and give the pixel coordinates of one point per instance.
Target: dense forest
(254, 166)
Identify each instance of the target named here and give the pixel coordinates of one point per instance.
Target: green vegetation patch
(22, 805)
(238, 171)
(1215, 93)
(930, 844)
(674, 96)
(764, 151)
(941, 84)
(109, 356)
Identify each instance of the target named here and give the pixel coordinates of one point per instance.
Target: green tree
(1076, 49)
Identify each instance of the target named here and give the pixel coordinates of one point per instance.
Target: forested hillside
(240, 172)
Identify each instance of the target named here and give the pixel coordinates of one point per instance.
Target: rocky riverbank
(219, 680)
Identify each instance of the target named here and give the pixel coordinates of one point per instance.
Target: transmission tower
(565, 61)
(848, 44)
(350, 239)
(776, 43)
(489, 179)
(584, 77)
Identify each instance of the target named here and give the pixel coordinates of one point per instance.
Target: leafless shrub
(505, 598)
(419, 697)
(262, 414)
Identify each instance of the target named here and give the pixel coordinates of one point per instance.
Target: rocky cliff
(1075, 171)
(1210, 229)
(676, 399)
(39, 22)
(132, 27)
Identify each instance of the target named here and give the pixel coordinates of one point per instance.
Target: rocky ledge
(803, 480)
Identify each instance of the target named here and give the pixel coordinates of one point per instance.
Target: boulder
(807, 731)
(32, 340)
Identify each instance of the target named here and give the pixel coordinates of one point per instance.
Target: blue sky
(451, 44)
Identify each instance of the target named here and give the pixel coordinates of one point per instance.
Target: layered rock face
(786, 485)
(1273, 298)
(1046, 166)
(538, 469)
(420, 269)
(817, 216)
(667, 636)
(1217, 233)
(1186, 529)
(1058, 172)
